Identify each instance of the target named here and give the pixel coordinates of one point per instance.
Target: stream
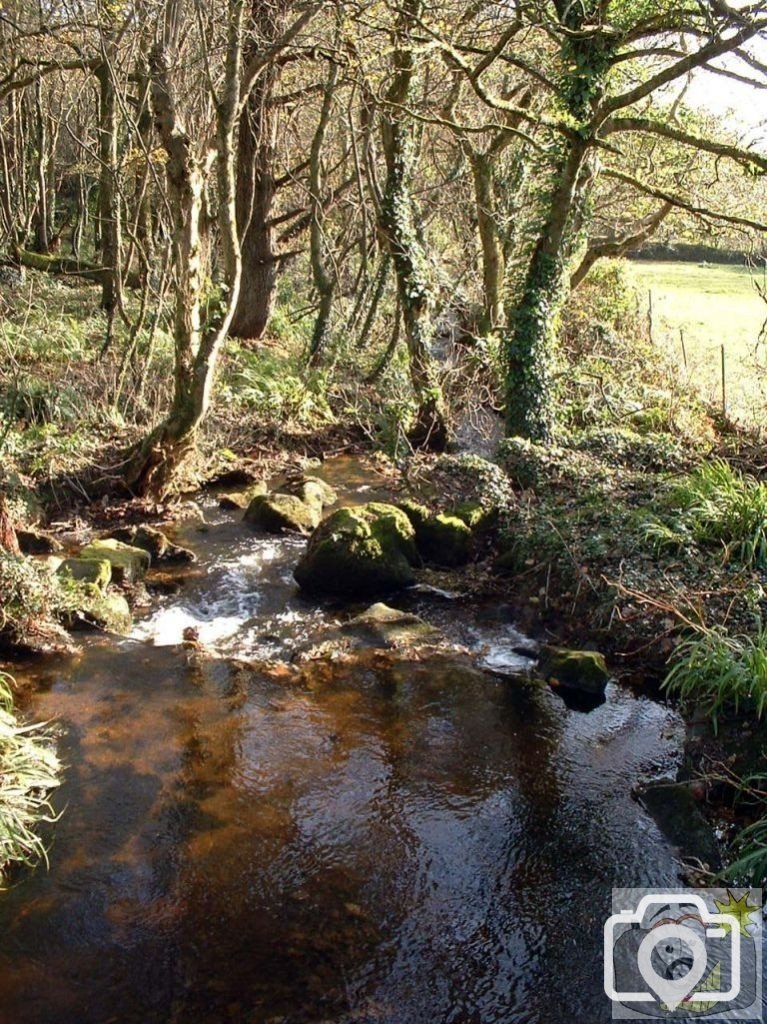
(384, 841)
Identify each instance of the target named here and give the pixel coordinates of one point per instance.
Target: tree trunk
(43, 155)
(155, 462)
(398, 226)
(531, 336)
(256, 185)
(493, 261)
(109, 200)
(324, 278)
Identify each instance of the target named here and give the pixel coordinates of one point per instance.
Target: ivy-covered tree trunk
(398, 226)
(531, 336)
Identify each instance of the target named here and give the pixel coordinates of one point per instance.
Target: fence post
(724, 386)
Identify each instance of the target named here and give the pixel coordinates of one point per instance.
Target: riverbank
(638, 531)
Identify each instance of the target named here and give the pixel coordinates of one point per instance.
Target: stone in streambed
(389, 627)
(312, 490)
(359, 552)
(97, 571)
(90, 607)
(278, 512)
(585, 671)
(155, 543)
(129, 564)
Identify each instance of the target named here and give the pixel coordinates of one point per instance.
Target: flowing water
(377, 840)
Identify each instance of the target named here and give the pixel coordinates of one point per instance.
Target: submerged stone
(390, 627)
(577, 670)
(358, 552)
(129, 564)
(680, 818)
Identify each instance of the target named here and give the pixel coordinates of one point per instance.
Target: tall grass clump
(29, 770)
(716, 505)
(717, 672)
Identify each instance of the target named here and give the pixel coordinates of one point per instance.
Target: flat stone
(97, 571)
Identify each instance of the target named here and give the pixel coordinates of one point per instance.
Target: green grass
(717, 672)
(713, 305)
(29, 770)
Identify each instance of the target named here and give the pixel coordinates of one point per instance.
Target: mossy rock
(417, 514)
(576, 670)
(278, 512)
(239, 500)
(97, 571)
(129, 564)
(475, 516)
(441, 539)
(155, 543)
(312, 490)
(358, 552)
(88, 606)
(453, 480)
(445, 540)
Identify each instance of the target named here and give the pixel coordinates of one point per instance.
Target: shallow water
(390, 842)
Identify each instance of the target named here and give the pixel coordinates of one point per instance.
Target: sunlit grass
(713, 306)
(717, 672)
(29, 770)
(715, 506)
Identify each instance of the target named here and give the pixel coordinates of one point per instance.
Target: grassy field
(712, 306)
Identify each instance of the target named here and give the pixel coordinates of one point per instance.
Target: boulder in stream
(129, 564)
(278, 512)
(359, 552)
(584, 671)
(87, 606)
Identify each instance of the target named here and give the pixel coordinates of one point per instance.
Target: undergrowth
(717, 506)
